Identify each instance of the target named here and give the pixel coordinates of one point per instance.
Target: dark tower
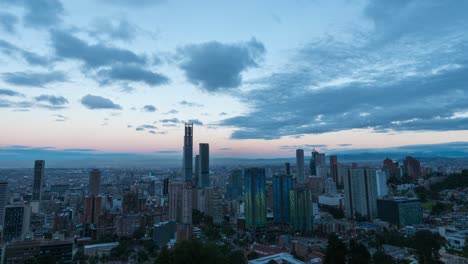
(188, 152)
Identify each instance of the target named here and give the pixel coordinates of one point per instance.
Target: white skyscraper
(360, 193)
(381, 179)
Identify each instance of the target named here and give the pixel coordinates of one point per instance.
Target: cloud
(115, 29)
(139, 129)
(344, 145)
(173, 111)
(195, 122)
(416, 82)
(52, 99)
(30, 57)
(225, 149)
(60, 118)
(149, 108)
(33, 78)
(170, 121)
(134, 3)
(98, 102)
(167, 151)
(131, 72)
(223, 114)
(68, 46)
(215, 66)
(304, 146)
(39, 13)
(8, 22)
(151, 132)
(190, 104)
(8, 92)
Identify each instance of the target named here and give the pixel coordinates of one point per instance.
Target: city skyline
(338, 76)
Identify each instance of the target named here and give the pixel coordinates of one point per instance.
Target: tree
(382, 258)
(427, 245)
(163, 257)
(336, 250)
(237, 257)
(358, 253)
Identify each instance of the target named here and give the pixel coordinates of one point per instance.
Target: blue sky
(257, 78)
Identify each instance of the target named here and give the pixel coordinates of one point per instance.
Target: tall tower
(188, 152)
(300, 165)
(197, 169)
(204, 177)
(94, 185)
(282, 184)
(301, 215)
(38, 183)
(334, 170)
(318, 164)
(3, 200)
(255, 198)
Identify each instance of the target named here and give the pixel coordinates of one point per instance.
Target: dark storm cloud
(33, 78)
(8, 22)
(415, 82)
(8, 92)
(67, 46)
(52, 99)
(98, 102)
(190, 104)
(39, 13)
(214, 66)
(149, 108)
(131, 72)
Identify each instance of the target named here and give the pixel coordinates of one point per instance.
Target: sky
(257, 78)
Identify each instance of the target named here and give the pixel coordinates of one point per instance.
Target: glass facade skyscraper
(282, 184)
(301, 218)
(255, 198)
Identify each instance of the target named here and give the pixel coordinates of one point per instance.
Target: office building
(301, 213)
(400, 211)
(17, 222)
(300, 166)
(255, 198)
(94, 185)
(3, 201)
(282, 184)
(188, 152)
(234, 189)
(93, 207)
(360, 193)
(214, 201)
(204, 177)
(318, 164)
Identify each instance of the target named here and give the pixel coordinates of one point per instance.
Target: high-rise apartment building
(287, 168)
(204, 177)
(360, 187)
(94, 185)
(282, 184)
(17, 222)
(335, 170)
(188, 152)
(381, 178)
(412, 168)
(180, 202)
(255, 197)
(300, 166)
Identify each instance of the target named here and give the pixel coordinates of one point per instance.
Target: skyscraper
(180, 202)
(335, 171)
(188, 152)
(204, 177)
(412, 168)
(288, 168)
(38, 183)
(381, 179)
(196, 178)
(360, 193)
(235, 184)
(94, 185)
(301, 214)
(255, 198)
(3, 201)
(282, 184)
(318, 164)
(300, 165)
